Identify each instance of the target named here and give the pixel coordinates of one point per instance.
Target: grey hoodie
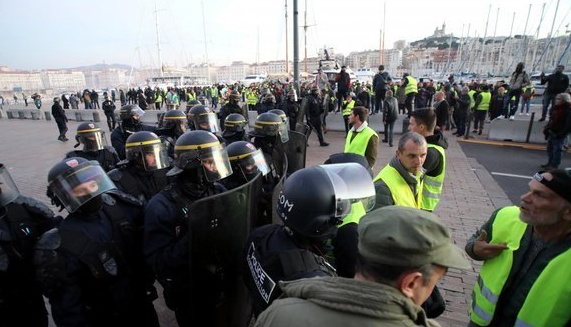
(338, 301)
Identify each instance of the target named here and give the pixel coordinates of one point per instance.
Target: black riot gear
(270, 125)
(246, 161)
(75, 181)
(146, 150)
(201, 149)
(315, 200)
(203, 118)
(175, 122)
(191, 104)
(234, 126)
(280, 113)
(130, 117)
(91, 136)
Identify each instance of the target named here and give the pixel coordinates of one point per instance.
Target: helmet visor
(284, 136)
(207, 122)
(137, 113)
(8, 189)
(215, 163)
(252, 163)
(153, 156)
(352, 183)
(76, 187)
(92, 141)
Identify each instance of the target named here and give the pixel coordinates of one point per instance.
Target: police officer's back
(312, 203)
(143, 173)
(22, 221)
(200, 161)
(94, 146)
(232, 107)
(92, 267)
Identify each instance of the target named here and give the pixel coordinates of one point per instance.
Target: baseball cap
(407, 237)
(560, 182)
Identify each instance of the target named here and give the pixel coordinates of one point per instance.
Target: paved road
(511, 167)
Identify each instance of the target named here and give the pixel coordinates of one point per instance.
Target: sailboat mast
(484, 40)
(504, 44)
(305, 35)
(295, 48)
(525, 36)
(495, 30)
(205, 44)
(550, 37)
(158, 40)
(383, 37)
(286, 41)
(537, 38)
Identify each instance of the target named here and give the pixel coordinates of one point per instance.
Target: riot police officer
(292, 109)
(311, 205)
(94, 146)
(314, 115)
(143, 173)
(173, 125)
(234, 128)
(191, 103)
(200, 161)
(130, 118)
(92, 267)
(202, 118)
(246, 162)
(22, 221)
(231, 107)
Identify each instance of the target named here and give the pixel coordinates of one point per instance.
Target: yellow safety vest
(359, 144)
(357, 212)
(349, 108)
(214, 92)
(433, 184)
(251, 98)
(411, 86)
(485, 103)
(546, 304)
(400, 190)
(158, 98)
(472, 102)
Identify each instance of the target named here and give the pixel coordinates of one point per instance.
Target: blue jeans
(525, 104)
(547, 100)
(554, 149)
(389, 132)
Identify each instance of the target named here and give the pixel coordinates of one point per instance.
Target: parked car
(246, 81)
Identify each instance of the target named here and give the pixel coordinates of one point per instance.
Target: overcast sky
(39, 34)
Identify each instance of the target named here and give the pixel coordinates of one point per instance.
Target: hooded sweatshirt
(337, 301)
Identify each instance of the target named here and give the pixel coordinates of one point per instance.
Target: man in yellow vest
(482, 104)
(361, 139)
(423, 122)
(346, 108)
(410, 90)
(400, 182)
(526, 250)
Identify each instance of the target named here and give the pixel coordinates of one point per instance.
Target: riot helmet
(270, 124)
(234, 123)
(201, 99)
(130, 116)
(147, 150)
(340, 158)
(203, 118)
(196, 149)
(176, 121)
(191, 104)
(315, 200)
(8, 189)
(247, 160)
(234, 97)
(75, 181)
(269, 99)
(280, 113)
(91, 136)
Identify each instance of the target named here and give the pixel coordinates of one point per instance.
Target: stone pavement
(30, 148)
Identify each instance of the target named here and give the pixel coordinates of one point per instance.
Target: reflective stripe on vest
(400, 190)
(347, 110)
(472, 102)
(359, 144)
(357, 212)
(485, 103)
(411, 86)
(432, 188)
(251, 98)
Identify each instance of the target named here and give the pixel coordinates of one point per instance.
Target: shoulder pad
(125, 198)
(115, 174)
(35, 206)
(72, 154)
(50, 240)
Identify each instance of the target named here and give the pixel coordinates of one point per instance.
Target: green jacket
(343, 302)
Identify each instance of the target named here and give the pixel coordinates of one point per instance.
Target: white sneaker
(512, 117)
(500, 117)
(527, 114)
